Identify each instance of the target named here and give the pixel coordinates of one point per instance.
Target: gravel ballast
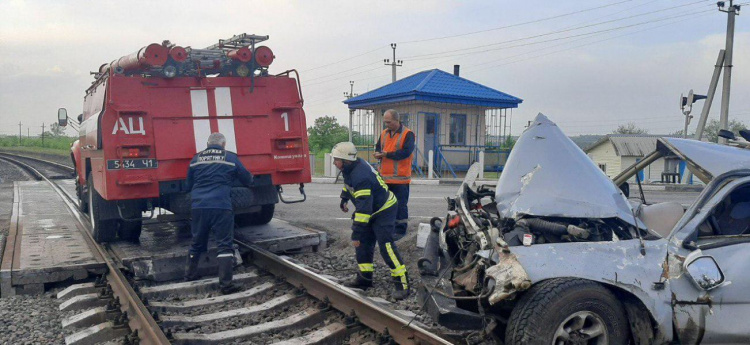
(30, 320)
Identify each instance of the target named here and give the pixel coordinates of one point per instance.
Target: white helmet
(345, 150)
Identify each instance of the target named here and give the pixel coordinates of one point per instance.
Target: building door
(431, 132)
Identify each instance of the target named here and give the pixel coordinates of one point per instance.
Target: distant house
(454, 117)
(615, 152)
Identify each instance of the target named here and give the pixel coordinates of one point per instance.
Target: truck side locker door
(720, 315)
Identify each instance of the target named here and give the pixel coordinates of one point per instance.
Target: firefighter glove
(344, 207)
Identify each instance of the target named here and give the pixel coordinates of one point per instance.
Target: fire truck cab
(147, 114)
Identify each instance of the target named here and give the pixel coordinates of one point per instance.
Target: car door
(709, 270)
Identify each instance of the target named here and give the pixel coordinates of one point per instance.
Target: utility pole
(394, 64)
(19, 133)
(732, 11)
(710, 96)
(351, 111)
(42, 134)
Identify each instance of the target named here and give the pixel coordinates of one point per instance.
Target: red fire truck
(147, 113)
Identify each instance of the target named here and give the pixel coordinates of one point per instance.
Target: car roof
(706, 160)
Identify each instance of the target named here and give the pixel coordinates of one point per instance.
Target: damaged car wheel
(567, 311)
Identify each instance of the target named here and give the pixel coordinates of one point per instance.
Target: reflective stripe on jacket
(367, 191)
(395, 171)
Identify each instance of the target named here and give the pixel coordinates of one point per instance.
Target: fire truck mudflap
(145, 117)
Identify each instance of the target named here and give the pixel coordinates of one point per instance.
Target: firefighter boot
(363, 280)
(226, 285)
(191, 267)
(402, 287)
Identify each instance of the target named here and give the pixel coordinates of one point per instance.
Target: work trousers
(221, 222)
(401, 191)
(380, 230)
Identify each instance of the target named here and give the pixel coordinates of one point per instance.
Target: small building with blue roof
(454, 117)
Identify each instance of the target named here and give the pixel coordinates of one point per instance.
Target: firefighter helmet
(345, 150)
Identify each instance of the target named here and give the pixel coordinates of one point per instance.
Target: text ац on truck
(146, 114)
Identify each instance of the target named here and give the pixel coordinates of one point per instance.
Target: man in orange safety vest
(395, 150)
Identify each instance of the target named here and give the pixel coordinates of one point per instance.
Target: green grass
(51, 145)
(491, 175)
(319, 164)
(36, 150)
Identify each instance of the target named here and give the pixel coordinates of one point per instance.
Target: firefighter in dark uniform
(394, 149)
(209, 181)
(373, 220)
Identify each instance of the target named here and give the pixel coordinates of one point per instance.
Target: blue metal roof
(435, 86)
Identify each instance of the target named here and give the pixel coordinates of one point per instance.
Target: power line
(470, 33)
(342, 72)
(578, 35)
(345, 77)
(315, 102)
(515, 25)
(342, 60)
(560, 31)
(590, 43)
(584, 35)
(647, 2)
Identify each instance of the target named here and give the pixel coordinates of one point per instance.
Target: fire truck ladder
(238, 41)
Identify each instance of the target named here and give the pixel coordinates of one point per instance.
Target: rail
(139, 318)
(143, 324)
(344, 300)
(58, 165)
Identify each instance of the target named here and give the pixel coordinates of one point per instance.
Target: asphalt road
(321, 210)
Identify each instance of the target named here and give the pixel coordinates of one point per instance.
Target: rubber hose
(428, 264)
(539, 225)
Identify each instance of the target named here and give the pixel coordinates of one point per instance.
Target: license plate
(132, 164)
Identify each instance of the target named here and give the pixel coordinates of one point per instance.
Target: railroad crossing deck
(46, 244)
(160, 255)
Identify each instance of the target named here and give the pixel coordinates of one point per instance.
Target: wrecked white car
(558, 254)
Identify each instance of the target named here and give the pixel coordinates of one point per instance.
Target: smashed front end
(549, 192)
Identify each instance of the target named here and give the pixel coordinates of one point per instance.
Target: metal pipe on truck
(152, 55)
(243, 54)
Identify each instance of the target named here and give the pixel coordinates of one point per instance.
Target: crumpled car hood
(548, 175)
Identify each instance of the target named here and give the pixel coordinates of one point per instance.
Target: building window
(405, 120)
(603, 167)
(458, 129)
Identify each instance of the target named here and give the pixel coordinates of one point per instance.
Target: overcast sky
(588, 65)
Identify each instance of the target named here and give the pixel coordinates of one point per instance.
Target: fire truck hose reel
(178, 54)
(264, 56)
(151, 55)
(243, 54)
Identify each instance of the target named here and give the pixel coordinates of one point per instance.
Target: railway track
(282, 302)
(52, 170)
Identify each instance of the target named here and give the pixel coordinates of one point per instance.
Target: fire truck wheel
(129, 231)
(83, 199)
(256, 218)
(101, 230)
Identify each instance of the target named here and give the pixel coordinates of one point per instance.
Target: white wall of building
(605, 154)
(605, 157)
